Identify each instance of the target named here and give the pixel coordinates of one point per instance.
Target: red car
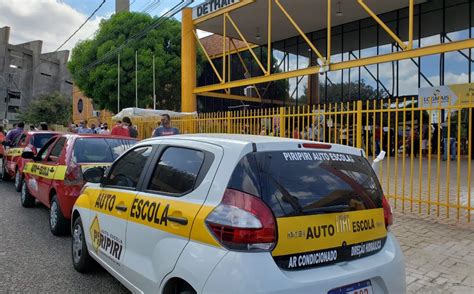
(54, 176)
(13, 163)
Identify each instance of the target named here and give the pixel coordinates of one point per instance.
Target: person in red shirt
(120, 129)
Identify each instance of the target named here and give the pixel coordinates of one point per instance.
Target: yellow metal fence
(413, 174)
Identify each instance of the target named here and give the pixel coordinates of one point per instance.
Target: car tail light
(73, 174)
(387, 212)
(243, 222)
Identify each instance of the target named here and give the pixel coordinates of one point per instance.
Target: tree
(100, 81)
(52, 109)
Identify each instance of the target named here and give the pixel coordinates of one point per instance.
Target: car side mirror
(94, 174)
(28, 154)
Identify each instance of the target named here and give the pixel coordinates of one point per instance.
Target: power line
(80, 27)
(173, 11)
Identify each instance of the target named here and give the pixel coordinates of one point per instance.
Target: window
(44, 151)
(39, 140)
(56, 150)
(126, 172)
(91, 150)
(177, 171)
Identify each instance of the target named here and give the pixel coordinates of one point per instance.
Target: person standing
(165, 129)
(120, 129)
(105, 129)
(2, 138)
(43, 126)
(451, 141)
(377, 140)
(132, 132)
(13, 134)
(83, 128)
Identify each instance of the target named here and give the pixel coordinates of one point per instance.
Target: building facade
(26, 74)
(355, 35)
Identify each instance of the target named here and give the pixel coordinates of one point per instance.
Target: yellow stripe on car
(323, 231)
(52, 172)
(150, 211)
(15, 152)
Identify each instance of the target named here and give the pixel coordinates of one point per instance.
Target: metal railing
(413, 175)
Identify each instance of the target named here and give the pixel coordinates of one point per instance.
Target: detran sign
(211, 6)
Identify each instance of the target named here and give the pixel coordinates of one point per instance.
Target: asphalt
(32, 260)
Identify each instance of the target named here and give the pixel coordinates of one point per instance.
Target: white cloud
(49, 20)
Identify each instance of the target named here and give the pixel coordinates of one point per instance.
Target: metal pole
(118, 83)
(136, 79)
(154, 88)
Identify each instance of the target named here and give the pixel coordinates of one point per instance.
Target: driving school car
(54, 175)
(13, 163)
(238, 214)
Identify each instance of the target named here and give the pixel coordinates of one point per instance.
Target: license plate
(364, 287)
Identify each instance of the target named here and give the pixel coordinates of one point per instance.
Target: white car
(238, 214)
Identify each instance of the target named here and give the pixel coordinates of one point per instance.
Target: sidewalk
(439, 254)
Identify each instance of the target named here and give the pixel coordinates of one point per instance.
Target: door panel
(111, 206)
(161, 216)
(47, 169)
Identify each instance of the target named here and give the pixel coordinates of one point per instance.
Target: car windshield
(91, 150)
(38, 140)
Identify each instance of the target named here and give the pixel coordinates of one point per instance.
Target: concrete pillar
(188, 62)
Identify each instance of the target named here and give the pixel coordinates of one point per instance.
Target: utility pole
(154, 89)
(136, 78)
(118, 83)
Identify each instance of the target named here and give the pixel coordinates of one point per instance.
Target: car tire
(18, 181)
(58, 224)
(26, 199)
(81, 260)
(5, 175)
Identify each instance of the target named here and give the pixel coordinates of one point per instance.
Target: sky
(53, 21)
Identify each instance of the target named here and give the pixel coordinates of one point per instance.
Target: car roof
(42, 132)
(263, 143)
(99, 136)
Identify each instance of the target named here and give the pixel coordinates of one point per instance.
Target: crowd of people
(124, 127)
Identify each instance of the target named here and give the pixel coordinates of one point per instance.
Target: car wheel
(26, 199)
(81, 260)
(5, 175)
(57, 223)
(18, 181)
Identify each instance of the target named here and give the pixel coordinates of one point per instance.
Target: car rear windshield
(38, 140)
(296, 183)
(91, 150)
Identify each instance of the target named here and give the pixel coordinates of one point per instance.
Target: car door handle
(121, 207)
(179, 220)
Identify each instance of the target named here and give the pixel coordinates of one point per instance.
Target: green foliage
(100, 82)
(52, 109)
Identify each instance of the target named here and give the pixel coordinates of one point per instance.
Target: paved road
(32, 260)
(439, 254)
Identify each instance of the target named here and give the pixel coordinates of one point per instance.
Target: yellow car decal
(15, 152)
(151, 212)
(322, 239)
(52, 172)
(323, 231)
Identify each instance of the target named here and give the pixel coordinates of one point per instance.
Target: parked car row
(218, 213)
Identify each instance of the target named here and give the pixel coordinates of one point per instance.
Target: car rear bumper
(257, 273)
(67, 196)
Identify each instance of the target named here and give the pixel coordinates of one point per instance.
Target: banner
(458, 95)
